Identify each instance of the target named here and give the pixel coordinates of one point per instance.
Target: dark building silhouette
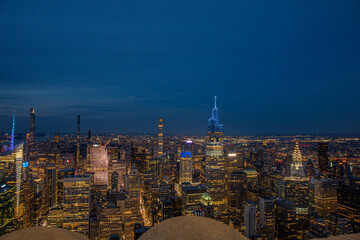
(31, 138)
(323, 158)
(285, 215)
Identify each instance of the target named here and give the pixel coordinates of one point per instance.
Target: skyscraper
(185, 167)
(250, 219)
(7, 204)
(214, 172)
(285, 215)
(297, 185)
(348, 205)
(31, 138)
(19, 166)
(77, 203)
(297, 191)
(297, 168)
(77, 142)
(267, 215)
(11, 163)
(99, 161)
(133, 203)
(323, 158)
(325, 197)
(12, 132)
(160, 139)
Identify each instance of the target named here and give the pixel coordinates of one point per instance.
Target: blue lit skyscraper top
(213, 122)
(12, 132)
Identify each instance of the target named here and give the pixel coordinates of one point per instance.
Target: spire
(213, 122)
(12, 132)
(297, 168)
(297, 154)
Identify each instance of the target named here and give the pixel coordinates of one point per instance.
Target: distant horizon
(182, 134)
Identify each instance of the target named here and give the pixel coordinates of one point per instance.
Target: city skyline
(277, 68)
(121, 187)
(132, 120)
(24, 123)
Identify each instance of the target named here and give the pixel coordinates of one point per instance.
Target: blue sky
(276, 66)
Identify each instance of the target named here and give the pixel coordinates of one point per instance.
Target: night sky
(277, 67)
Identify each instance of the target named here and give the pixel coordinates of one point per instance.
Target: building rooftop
(4, 187)
(191, 227)
(193, 189)
(43, 233)
(178, 228)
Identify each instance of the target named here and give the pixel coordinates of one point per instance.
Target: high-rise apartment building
(214, 169)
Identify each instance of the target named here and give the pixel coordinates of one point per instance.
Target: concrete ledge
(355, 236)
(43, 233)
(191, 227)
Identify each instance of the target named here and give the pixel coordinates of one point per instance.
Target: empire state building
(214, 172)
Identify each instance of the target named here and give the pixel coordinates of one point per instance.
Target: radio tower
(12, 132)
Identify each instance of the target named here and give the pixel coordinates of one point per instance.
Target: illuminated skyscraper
(214, 172)
(133, 203)
(186, 167)
(297, 191)
(61, 175)
(323, 158)
(11, 163)
(236, 192)
(297, 168)
(12, 132)
(7, 204)
(77, 203)
(99, 164)
(233, 162)
(31, 138)
(325, 197)
(160, 139)
(297, 185)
